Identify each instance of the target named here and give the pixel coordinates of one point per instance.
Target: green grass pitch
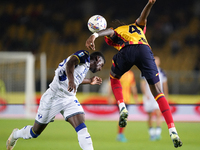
(60, 135)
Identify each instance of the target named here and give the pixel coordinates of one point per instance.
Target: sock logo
(88, 137)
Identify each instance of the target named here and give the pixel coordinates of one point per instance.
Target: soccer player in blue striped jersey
(60, 97)
(133, 47)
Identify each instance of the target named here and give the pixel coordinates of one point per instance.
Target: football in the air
(97, 23)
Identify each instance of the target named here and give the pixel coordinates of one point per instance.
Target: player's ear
(97, 58)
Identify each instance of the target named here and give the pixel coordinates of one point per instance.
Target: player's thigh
(121, 63)
(50, 106)
(145, 57)
(145, 62)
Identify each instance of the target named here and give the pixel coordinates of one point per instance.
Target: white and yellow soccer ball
(97, 23)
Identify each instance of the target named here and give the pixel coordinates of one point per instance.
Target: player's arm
(145, 13)
(90, 41)
(73, 61)
(94, 80)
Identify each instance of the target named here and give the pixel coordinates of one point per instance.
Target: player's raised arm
(90, 41)
(70, 73)
(145, 13)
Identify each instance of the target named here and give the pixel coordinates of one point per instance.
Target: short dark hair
(95, 54)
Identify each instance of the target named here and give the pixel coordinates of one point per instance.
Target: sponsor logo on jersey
(81, 54)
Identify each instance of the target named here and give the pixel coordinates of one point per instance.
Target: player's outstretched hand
(90, 43)
(96, 80)
(152, 1)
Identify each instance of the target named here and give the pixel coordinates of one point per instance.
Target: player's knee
(84, 138)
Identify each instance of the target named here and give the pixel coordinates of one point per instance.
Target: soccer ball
(97, 23)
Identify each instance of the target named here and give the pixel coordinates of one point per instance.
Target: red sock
(165, 109)
(121, 130)
(117, 89)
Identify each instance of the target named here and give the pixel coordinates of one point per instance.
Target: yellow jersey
(127, 35)
(127, 81)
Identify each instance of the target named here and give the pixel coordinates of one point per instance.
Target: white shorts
(52, 104)
(150, 104)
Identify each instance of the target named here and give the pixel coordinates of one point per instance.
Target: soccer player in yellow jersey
(128, 89)
(134, 49)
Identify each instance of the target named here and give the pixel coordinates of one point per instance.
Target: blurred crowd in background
(59, 28)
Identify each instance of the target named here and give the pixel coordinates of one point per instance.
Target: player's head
(157, 61)
(97, 61)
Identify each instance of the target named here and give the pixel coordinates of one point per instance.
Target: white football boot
(11, 141)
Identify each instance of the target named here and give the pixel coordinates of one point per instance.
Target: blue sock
(80, 126)
(33, 134)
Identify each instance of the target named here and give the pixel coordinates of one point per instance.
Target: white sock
(121, 105)
(84, 139)
(151, 131)
(23, 133)
(173, 129)
(158, 131)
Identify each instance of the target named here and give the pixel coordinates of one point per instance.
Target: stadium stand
(60, 28)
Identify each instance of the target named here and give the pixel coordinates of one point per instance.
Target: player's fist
(96, 80)
(152, 1)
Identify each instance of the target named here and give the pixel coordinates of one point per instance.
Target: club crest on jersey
(39, 116)
(81, 54)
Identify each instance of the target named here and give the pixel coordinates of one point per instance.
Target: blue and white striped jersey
(60, 81)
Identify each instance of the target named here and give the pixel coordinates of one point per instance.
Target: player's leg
(27, 132)
(115, 75)
(150, 126)
(41, 120)
(84, 139)
(117, 91)
(121, 63)
(120, 136)
(149, 69)
(166, 112)
(158, 129)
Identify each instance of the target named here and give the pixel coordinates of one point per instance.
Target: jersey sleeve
(82, 55)
(114, 41)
